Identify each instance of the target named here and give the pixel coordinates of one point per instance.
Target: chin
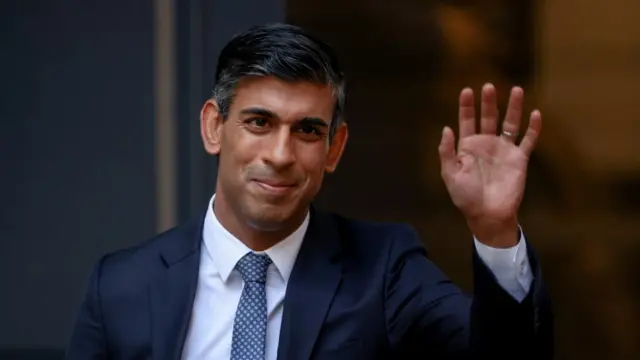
(268, 220)
(270, 217)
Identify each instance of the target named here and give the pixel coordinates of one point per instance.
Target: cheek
(242, 149)
(313, 159)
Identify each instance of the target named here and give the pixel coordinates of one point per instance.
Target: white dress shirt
(220, 286)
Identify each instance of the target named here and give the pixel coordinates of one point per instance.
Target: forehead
(288, 100)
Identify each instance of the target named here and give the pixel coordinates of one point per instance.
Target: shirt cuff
(510, 266)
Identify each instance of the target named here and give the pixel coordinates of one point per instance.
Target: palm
(486, 176)
(490, 177)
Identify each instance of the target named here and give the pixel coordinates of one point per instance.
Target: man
(264, 275)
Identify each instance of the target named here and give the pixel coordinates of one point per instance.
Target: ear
(211, 127)
(337, 147)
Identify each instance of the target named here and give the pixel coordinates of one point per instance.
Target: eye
(309, 130)
(258, 122)
(257, 125)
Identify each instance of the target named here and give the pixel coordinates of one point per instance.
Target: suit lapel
(312, 285)
(173, 290)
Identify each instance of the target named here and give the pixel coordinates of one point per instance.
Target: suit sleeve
(429, 316)
(87, 339)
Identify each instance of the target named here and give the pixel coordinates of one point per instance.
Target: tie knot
(253, 267)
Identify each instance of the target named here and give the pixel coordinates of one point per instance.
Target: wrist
(496, 234)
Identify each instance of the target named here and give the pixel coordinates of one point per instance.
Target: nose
(279, 152)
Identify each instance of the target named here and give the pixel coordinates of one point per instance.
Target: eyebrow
(307, 120)
(313, 121)
(258, 111)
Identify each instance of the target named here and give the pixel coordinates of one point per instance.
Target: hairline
(231, 91)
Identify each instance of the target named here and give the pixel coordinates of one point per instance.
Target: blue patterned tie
(250, 325)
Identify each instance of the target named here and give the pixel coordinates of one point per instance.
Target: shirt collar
(225, 250)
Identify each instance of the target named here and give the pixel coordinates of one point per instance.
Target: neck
(254, 237)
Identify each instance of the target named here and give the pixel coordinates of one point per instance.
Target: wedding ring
(509, 134)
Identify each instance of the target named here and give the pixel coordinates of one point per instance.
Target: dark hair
(283, 51)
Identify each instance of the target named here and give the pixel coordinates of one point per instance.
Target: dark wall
(77, 154)
(77, 147)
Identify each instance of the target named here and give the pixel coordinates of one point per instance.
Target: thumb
(447, 152)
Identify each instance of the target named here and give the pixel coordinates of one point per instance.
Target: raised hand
(486, 176)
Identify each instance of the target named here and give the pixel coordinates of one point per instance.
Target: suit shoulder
(373, 246)
(139, 252)
(374, 232)
(139, 261)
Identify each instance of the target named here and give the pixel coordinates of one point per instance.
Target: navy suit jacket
(358, 290)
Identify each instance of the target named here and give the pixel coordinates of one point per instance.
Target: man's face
(274, 148)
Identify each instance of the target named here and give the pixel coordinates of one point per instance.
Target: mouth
(275, 187)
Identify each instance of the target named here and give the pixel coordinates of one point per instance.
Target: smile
(274, 188)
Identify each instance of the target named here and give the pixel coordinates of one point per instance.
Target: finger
(529, 140)
(447, 153)
(489, 110)
(466, 113)
(511, 124)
